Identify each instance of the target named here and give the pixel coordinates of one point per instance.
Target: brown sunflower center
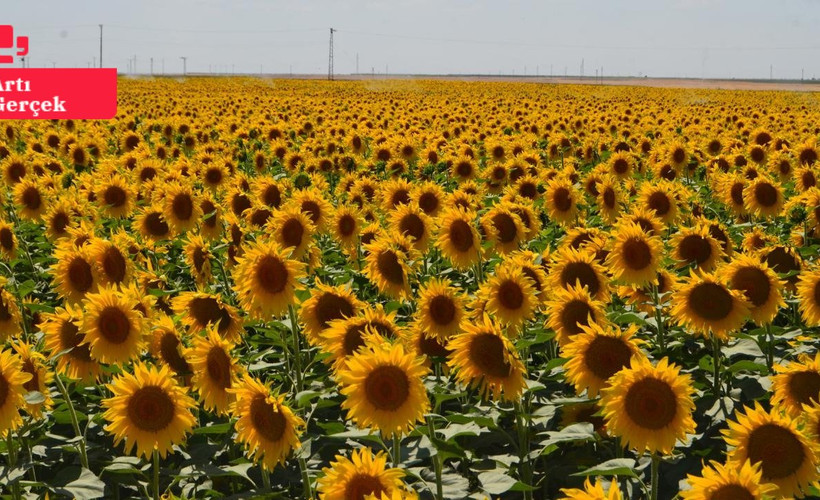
(660, 203)
(268, 423)
(461, 235)
(114, 264)
(213, 175)
(79, 274)
(430, 346)
(575, 313)
(347, 224)
(505, 226)
(442, 310)
(711, 301)
(218, 364)
(331, 306)
(71, 338)
(169, 350)
(114, 325)
(59, 222)
(651, 404)
(183, 206)
(311, 208)
(155, 225)
(362, 485)
(34, 382)
(411, 224)
(487, 353)
(510, 295)
(804, 386)
(151, 409)
(390, 268)
(779, 450)
(428, 202)
(271, 274)
(606, 356)
(636, 253)
(583, 273)
(7, 238)
(754, 283)
(387, 388)
(731, 492)
(609, 198)
(766, 194)
(292, 233)
(240, 203)
(31, 198)
(562, 199)
(695, 247)
(353, 339)
(115, 196)
(272, 196)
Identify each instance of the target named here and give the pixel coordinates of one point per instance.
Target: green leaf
(496, 482)
(34, 397)
(214, 429)
(86, 486)
(749, 366)
(614, 467)
(582, 431)
(304, 398)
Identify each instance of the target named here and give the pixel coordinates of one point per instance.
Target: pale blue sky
(675, 38)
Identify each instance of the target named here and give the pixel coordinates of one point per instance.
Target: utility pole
(152, 66)
(101, 45)
(771, 72)
(135, 64)
(94, 60)
(184, 65)
(163, 65)
(582, 67)
(357, 63)
(330, 57)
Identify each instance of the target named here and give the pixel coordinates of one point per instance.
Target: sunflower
(198, 258)
(484, 357)
(509, 297)
(210, 225)
(763, 198)
(115, 197)
(13, 380)
(315, 206)
(58, 219)
(34, 364)
(439, 309)
(214, 174)
(74, 273)
(429, 197)
(8, 241)
(694, 245)
(200, 310)
(387, 267)
(112, 326)
(411, 221)
(166, 346)
(266, 426)
(181, 208)
(592, 491)
(570, 309)
(346, 224)
(113, 264)
(659, 198)
(266, 280)
(704, 304)
(635, 256)
(325, 304)
(10, 317)
(148, 410)
(14, 169)
(759, 284)
(31, 197)
(152, 225)
(384, 389)
(598, 353)
(463, 169)
(609, 199)
(292, 230)
(573, 267)
(561, 201)
(796, 385)
(649, 407)
(458, 239)
(215, 371)
(504, 227)
(784, 260)
(65, 341)
(718, 482)
(808, 293)
(774, 441)
(344, 337)
(357, 477)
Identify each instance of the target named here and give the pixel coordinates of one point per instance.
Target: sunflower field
(408, 289)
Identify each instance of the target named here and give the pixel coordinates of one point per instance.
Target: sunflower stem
(661, 340)
(156, 474)
(297, 352)
(718, 386)
(12, 451)
(74, 422)
(436, 459)
(523, 448)
(305, 479)
(396, 450)
(656, 463)
(265, 477)
(769, 347)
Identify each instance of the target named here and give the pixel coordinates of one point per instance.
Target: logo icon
(7, 41)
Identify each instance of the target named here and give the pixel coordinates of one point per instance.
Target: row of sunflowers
(399, 290)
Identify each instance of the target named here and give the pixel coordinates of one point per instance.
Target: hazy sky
(697, 38)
